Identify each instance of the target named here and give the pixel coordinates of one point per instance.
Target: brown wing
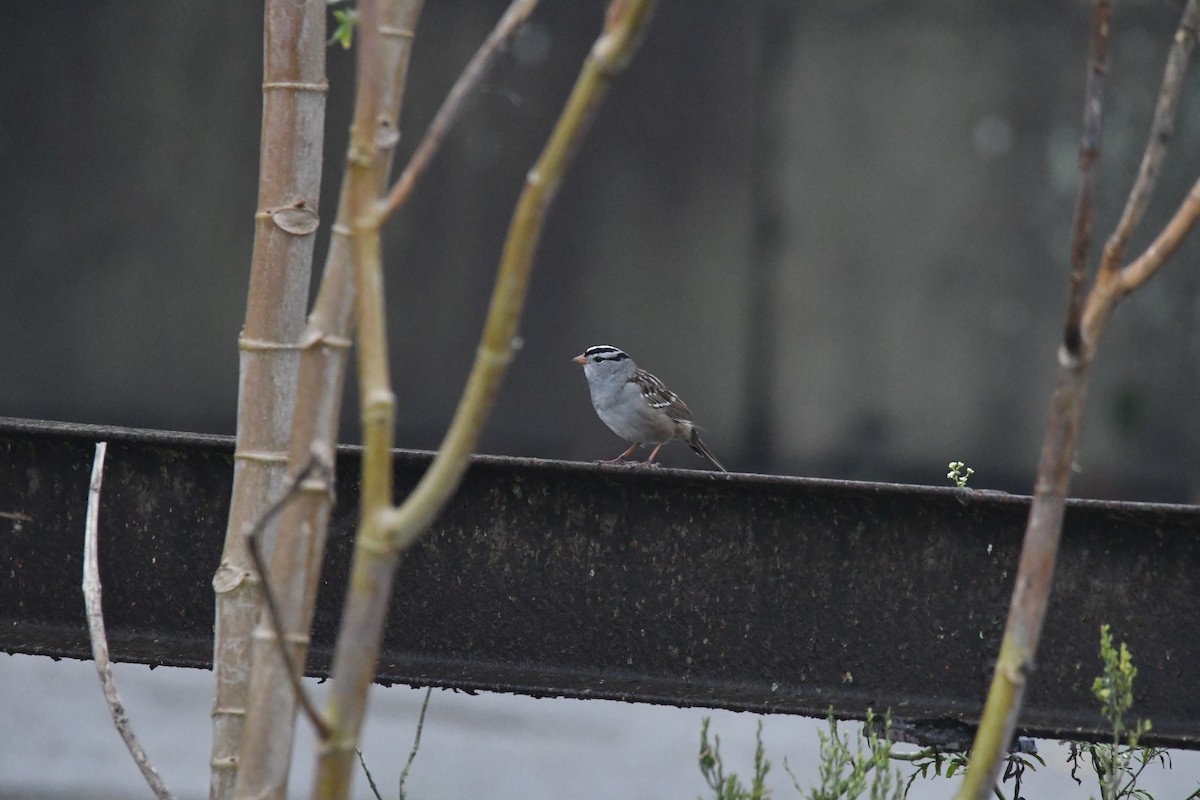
(657, 395)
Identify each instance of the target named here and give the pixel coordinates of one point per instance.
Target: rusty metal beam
(661, 586)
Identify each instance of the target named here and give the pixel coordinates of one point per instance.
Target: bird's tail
(701, 449)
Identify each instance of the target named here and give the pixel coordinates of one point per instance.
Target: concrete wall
(838, 230)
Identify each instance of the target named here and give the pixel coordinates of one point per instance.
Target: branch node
(493, 357)
(270, 634)
(397, 32)
(261, 456)
(299, 86)
(228, 577)
(250, 345)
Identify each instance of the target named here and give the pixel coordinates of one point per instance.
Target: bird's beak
(580, 359)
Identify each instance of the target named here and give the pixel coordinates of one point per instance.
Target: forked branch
(1086, 318)
(385, 531)
(1162, 130)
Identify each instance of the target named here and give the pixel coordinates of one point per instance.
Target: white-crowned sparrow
(636, 405)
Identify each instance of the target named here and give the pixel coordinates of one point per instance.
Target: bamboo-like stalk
(1087, 317)
(385, 531)
(296, 557)
(293, 125)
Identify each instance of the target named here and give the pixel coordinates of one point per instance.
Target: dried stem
(370, 778)
(416, 745)
(95, 617)
(294, 91)
(385, 531)
(1035, 571)
(296, 558)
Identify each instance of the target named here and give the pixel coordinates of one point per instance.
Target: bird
(637, 406)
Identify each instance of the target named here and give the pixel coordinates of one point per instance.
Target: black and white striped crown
(604, 352)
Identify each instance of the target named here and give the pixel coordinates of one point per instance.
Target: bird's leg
(653, 453)
(621, 458)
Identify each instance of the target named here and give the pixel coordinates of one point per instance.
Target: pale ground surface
(58, 742)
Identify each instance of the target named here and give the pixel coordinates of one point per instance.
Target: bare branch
(412, 754)
(255, 547)
(452, 106)
(1039, 550)
(1165, 244)
(370, 778)
(1162, 130)
(1089, 151)
(95, 617)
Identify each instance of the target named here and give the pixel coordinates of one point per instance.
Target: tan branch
(1039, 551)
(452, 106)
(95, 617)
(1162, 130)
(1165, 244)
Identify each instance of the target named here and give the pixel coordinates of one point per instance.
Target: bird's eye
(597, 359)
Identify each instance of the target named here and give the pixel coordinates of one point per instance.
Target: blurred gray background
(838, 229)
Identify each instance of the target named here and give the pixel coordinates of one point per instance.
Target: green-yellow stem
(384, 532)
(625, 23)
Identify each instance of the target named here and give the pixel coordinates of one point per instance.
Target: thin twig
(412, 754)
(471, 76)
(370, 778)
(95, 617)
(260, 566)
(1089, 152)
(1162, 130)
(1166, 243)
